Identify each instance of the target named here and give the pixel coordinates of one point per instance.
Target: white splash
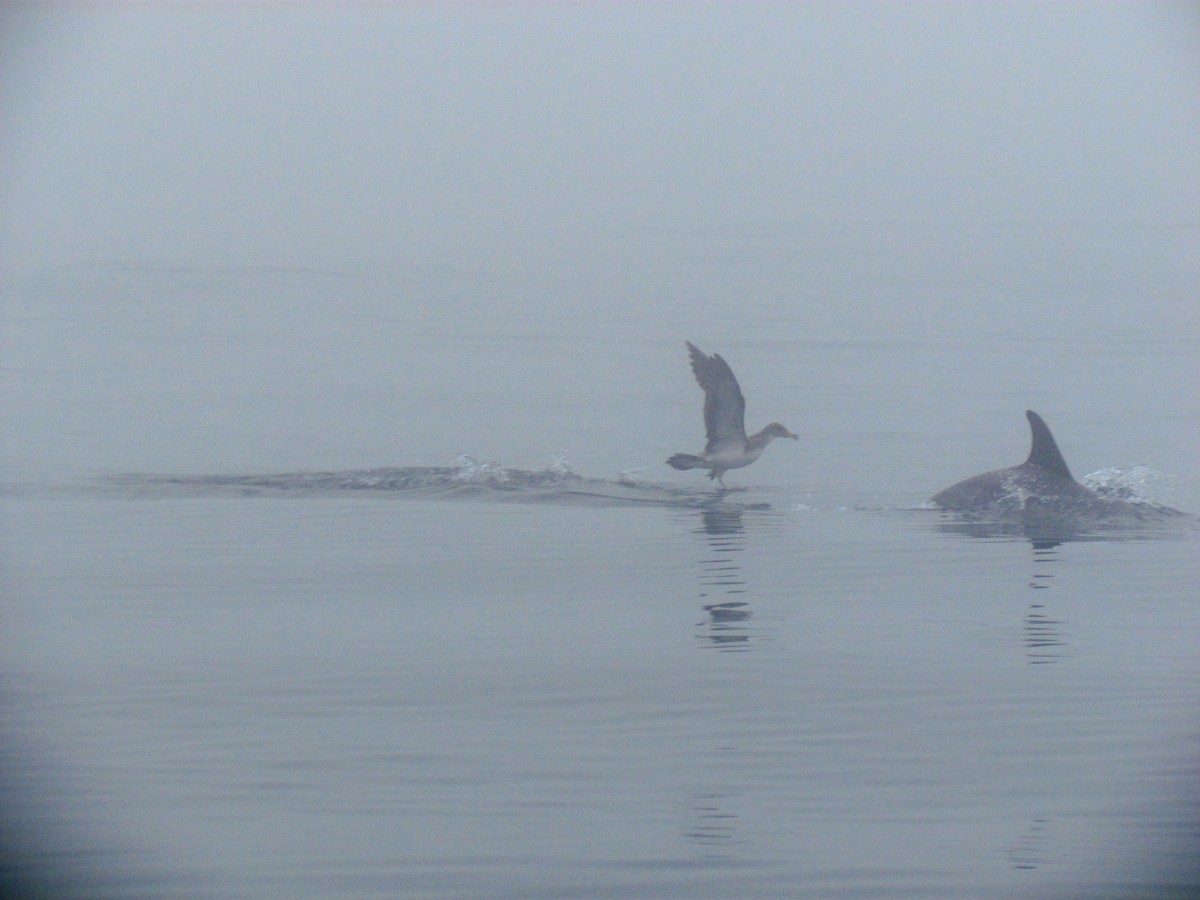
(1130, 484)
(558, 465)
(473, 471)
(632, 476)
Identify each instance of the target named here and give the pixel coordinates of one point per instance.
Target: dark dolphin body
(1040, 497)
(1043, 477)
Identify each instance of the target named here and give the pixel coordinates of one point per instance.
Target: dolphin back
(1044, 452)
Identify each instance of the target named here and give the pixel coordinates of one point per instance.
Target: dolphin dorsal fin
(1044, 452)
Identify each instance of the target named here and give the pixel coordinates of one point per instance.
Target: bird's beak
(792, 436)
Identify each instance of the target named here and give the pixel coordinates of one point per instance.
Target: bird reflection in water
(715, 827)
(721, 579)
(1031, 851)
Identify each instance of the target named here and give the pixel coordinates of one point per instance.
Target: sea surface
(343, 584)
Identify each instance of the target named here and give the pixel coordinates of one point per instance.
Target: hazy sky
(344, 136)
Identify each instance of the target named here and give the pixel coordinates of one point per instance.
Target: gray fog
(303, 227)
(502, 171)
(254, 255)
(553, 138)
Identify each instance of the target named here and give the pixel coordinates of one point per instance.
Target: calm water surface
(405, 697)
(812, 689)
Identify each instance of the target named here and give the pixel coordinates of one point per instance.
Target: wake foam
(467, 478)
(1131, 484)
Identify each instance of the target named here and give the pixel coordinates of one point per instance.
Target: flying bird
(724, 421)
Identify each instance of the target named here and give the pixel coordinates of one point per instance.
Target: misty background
(305, 230)
(241, 239)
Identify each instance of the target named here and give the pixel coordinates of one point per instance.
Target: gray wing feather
(724, 405)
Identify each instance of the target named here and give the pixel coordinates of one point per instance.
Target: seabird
(724, 421)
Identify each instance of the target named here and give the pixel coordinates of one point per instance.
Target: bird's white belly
(734, 457)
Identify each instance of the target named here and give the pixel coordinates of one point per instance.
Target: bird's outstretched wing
(724, 405)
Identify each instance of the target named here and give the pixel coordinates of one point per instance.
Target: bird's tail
(685, 461)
